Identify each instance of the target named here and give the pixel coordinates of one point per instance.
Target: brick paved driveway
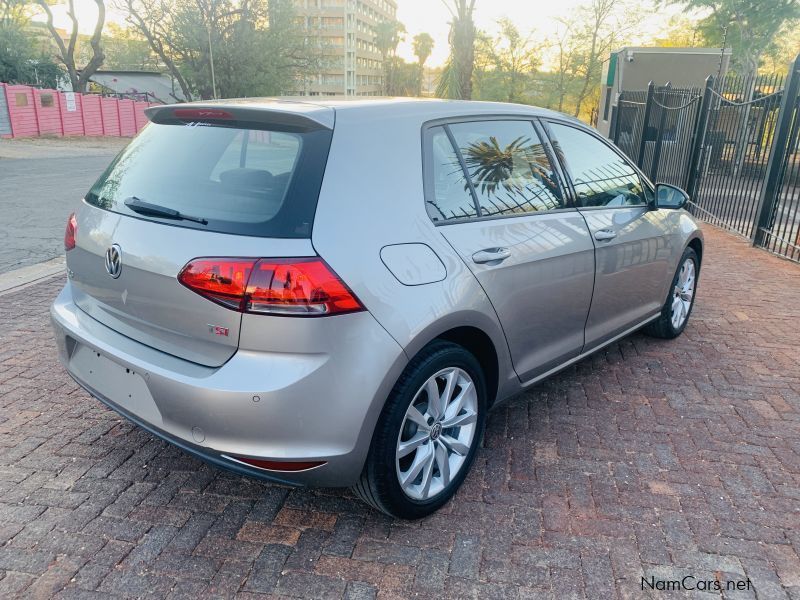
(652, 458)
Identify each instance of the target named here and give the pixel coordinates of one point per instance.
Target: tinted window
(251, 182)
(600, 175)
(449, 196)
(508, 166)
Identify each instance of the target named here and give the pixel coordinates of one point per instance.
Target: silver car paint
(146, 302)
(321, 383)
(551, 251)
(310, 403)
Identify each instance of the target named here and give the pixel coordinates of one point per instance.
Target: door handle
(604, 235)
(491, 255)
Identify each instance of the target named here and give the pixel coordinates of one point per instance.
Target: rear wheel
(427, 435)
(680, 301)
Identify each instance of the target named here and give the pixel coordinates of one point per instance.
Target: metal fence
(733, 145)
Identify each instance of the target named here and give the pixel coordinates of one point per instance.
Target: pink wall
(34, 112)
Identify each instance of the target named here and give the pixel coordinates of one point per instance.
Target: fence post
(772, 179)
(699, 138)
(645, 121)
(659, 135)
(614, 125)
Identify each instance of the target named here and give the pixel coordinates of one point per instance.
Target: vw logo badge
(114, 261)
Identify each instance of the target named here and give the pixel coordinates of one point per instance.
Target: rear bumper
(319, 406)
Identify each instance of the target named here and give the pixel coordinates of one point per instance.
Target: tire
(380, 481)
(668, 326)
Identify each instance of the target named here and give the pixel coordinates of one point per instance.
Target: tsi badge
(217, 330)
(114, 260)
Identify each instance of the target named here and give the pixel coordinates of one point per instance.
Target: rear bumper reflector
(276, 465)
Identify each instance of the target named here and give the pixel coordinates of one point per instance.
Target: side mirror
(669, 196)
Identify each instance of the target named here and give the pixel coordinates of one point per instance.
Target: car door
(496, 196)
(631, 240)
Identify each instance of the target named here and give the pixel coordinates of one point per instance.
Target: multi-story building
(345, 32)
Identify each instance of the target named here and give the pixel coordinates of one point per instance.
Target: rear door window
(508, 166)
(241, 181)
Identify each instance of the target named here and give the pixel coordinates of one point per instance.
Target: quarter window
(601, 176)
(449, 196)
(508, 167)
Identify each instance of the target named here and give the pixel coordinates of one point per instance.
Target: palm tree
(456, 81)
(423, 46)
(388, 35)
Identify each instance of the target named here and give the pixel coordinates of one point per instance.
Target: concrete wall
(632, 68)
(34, 112)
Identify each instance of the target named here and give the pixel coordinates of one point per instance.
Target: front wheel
(427, 435)
(680, 301)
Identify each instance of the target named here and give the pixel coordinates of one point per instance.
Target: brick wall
(33, 112)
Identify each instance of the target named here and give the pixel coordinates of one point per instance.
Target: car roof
(322, 110)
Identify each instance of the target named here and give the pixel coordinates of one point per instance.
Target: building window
(46, 100)
(21, 99)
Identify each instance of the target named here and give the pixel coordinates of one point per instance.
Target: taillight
(222, 280)
(301, 287)
(69, 233)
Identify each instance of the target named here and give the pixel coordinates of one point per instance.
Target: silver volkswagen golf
(336, 293)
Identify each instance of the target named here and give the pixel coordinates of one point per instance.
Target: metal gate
(778, 227)
(742, 118)
(733, 146)
(656, 127)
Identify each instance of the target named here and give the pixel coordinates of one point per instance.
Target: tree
(125, 49)
(405, 78)
(681, 32)
(423, 46)
(784, 50)
(224, 48)
(584, 42)
(388, 34)
(749, 26)
(505, 65)
(20, 60)
(456, 80)
(78, 78)
(13, 12)
(21, 63)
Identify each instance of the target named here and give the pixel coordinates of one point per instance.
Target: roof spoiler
(246, 117)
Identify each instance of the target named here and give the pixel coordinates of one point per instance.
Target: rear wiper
(154, 210)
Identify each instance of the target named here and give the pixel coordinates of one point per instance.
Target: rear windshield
(225, 179)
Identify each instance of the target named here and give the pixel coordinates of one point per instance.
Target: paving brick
(310, 585)
(267, 568)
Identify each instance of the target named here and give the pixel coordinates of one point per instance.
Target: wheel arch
(484, 339)
(696, 244)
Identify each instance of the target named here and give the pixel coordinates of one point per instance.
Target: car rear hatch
(200, 181)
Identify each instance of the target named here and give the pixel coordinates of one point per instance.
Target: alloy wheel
(683, 293)
(437, 433)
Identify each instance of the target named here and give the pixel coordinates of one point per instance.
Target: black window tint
(600, 175)
(449, 196)
(508, 166)
(242, 181)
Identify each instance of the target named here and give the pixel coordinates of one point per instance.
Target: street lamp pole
(211, 62)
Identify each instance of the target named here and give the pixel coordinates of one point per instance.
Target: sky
(432, 16)
(537, 17)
